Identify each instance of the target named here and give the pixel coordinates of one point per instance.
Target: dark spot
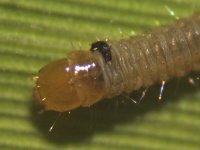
(103, 48)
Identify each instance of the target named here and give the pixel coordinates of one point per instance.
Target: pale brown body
(140, 61)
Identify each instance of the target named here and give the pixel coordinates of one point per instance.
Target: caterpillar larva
(113, 67)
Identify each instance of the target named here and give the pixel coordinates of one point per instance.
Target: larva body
(86, 77)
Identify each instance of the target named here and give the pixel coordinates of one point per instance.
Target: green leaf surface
(34, 32)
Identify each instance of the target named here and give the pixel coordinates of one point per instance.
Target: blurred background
(35, 32)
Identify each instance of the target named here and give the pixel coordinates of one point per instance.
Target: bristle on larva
(113, 67)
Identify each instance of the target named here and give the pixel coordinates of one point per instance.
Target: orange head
(71, 82)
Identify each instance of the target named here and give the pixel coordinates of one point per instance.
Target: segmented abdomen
(140, 61)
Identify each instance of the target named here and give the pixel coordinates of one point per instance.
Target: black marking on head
(103, 48)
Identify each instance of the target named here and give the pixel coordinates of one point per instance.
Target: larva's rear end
(66, 84)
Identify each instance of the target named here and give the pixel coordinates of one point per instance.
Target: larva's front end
(68, 83)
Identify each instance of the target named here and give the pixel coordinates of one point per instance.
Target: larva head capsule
(68, 83)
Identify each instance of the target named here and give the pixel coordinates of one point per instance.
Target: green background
(34, 32)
